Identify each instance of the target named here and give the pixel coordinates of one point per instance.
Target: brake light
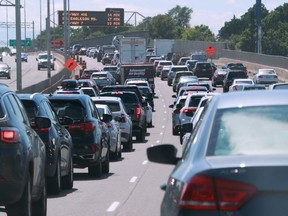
(109, 125)
(9, 135)
(86, 127)
(138, 112)
(190, 109)
(207, 193)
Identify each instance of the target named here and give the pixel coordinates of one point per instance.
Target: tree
(163, 27)
(198, 33)
(181, 16)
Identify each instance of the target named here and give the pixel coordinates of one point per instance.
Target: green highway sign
(27, 42)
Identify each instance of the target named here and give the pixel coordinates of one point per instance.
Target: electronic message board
(110, 17)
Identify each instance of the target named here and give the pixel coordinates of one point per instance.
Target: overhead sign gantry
(111, 17)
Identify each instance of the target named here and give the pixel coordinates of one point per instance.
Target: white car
(237, 84)
(265, 76)
(119, 114)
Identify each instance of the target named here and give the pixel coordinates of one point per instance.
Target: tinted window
(194, 101)
(114, 106)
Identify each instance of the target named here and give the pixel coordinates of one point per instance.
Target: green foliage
(200, 33)
(163, 27)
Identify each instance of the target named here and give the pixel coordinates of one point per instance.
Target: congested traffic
(92, 119)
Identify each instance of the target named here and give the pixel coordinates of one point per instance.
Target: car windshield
(45, 56)
(234, 131)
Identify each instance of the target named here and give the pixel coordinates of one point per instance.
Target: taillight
(86, 127)
(109, 125)
(189, 110)
(9, 135)
(207, 193)
(138, 112)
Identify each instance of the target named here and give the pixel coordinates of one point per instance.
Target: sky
(212, 13)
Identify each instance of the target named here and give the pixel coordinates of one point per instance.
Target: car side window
(50, 111)
(16, 109)
(93, 109)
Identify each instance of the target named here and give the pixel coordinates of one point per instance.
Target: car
(24, 57)
(203, 69)
(88, 131)
(190, 64)
(177, 77)
(89, 83)
(278, 86)
(86, 74)
(265, 76)
(135, 109)
(5, 70)
(103, 78)
(82, 51)
(220, 171)
(107, 58)
(69, 86)
(148, 94)
(193, 89)
(231, 75)
(199, 56)
(183, 60)
(120, 115)
(114, 131)
(173, 71)
(88, 50)
(254, 87)
(42, 60)
(164, 72)
(176, 108)
(149, 115)
(183, 80)
(235, 66)
(137, 82)
(160, 66)
(1, 57)
(187, 111)
(200, 83)
(218, 77)
(58, 142)
(22, 158)
(89, 91)
(113, 69)
(238, 84)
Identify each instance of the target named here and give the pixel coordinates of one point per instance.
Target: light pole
(48, 39)
(40, 44)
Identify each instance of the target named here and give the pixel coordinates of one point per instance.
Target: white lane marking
(158, 141)
(113, 207)
(161, 133)
(133, 179)
(145, 162)
(164, 106)
(164, 119)
(165, 112)
(163, 126)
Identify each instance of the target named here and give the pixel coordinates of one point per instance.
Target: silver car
(119, 114)
(176, 107)
(265, 76)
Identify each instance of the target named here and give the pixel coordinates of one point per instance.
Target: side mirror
(54, 59)
(173, 96)
(130, 112)
(187, 127)
(165, 154)
(171, 105)
(144, 103)
(36, 59)
(179, 106)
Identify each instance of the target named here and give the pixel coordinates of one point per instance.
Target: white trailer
(132, 50)
(163, 46)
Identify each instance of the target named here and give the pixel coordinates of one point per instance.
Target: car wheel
(40, 206)
(128, 146)
(120, 153)
(9, 77)
(54, 183)
(38, 68)
(106, 164)
(24, 205)
(181, 137)
(150, 124)
(141, 135)
(95, 170)
(68, 181)
(174, 132)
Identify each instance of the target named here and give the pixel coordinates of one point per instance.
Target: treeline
(238, 33)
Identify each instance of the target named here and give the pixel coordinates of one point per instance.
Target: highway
(132, 186)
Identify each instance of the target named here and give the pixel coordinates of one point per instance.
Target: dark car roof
(132, 88)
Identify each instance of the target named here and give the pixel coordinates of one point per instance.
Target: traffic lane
(29, 73)
(132, 186)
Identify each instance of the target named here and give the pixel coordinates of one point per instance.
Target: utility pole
(259, 29)
(18, 45)
(65, 30)
(48, 39)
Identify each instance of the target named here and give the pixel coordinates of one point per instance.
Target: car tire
(150, 124)
(120, 153)
(106, 164)
(174, 132)
(95, 170)
(24, 205)
(128, 146)
(40, 206)
(141, 135)
(68, 180)
(54, 183)
(38, 68)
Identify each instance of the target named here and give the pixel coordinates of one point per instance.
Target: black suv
(22, 158)
(203, 69)
(58, 142)
(89, 133)
(134, 110)
(230, 76)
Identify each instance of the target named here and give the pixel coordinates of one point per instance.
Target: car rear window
(234, 131)
(72, 109)
(31, 109)
(194, 101)
(114, 106)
